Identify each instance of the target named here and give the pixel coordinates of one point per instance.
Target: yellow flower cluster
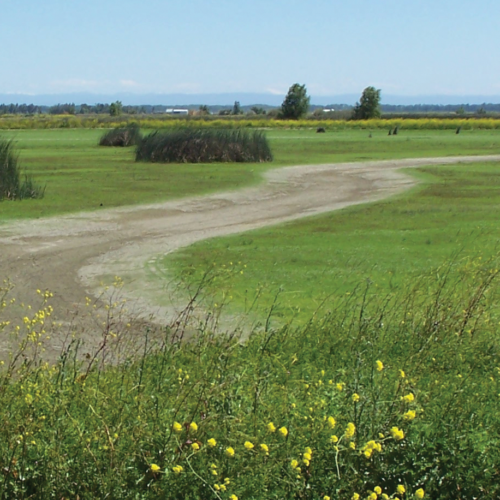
(409, 415)
(223, 486)
(370, 447)
(409, 398)
(307, 456)
(350, 430)
(283, 431)
(397, 433)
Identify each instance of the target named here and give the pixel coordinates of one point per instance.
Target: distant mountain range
(228, 99)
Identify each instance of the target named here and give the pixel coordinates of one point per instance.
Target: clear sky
(404, 47)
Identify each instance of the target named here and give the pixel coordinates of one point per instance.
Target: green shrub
(122, 136)
(190, 145)
(12, 187)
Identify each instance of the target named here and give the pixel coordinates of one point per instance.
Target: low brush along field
(372, 372)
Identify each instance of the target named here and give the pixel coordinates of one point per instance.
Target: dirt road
(74, 254)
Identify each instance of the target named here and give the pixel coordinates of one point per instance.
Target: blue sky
(404, 47)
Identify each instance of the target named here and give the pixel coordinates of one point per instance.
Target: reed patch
(204, 146)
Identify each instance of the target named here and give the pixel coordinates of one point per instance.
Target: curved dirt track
(73, 255)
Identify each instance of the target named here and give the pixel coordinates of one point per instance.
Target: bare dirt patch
(74, 255)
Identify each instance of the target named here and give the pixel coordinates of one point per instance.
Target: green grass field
(79, 175)
(452, 214)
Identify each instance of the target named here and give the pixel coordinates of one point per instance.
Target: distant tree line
(296, 104)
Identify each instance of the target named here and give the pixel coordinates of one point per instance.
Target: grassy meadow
(392, 391)
(306, 266)
(79, 175)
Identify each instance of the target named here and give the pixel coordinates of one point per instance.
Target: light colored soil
(73, 255)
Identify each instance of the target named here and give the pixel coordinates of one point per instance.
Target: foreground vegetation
(395, 395)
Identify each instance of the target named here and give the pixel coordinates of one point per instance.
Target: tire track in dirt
(72, 255)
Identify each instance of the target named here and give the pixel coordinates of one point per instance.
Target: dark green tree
(236, 108)
(368, 106)
(296, 103)
(258, 110)
(115, 108)
(203, 110)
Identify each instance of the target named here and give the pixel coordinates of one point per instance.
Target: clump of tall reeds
(204, 146)
(12, 185)
(122, 136)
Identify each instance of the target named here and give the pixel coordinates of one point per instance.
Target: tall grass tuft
(122, 136)
(204, 146)
(12, 186)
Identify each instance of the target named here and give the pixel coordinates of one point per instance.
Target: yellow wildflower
(195, 446)
(380, 365)
(420, 493)
(230, 452)
(154, 468)
(377, 490)
(294, 464)
(401, 489)
(248, 445)
(326, 497)
(177, 427)
(334, 439)
(409, 415)
(408, 398)
(331, 422)
(212, 443)
(193, 426)
(355, 496)
(307, 456)
(350, 430)
(402, 374)
(233, 497)
(352, 445)
(283, 431)
(271, 427)
(340, 386)
(355, 397)
(264, 448)
(372, 496)
(178, 469)
(397, 434)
